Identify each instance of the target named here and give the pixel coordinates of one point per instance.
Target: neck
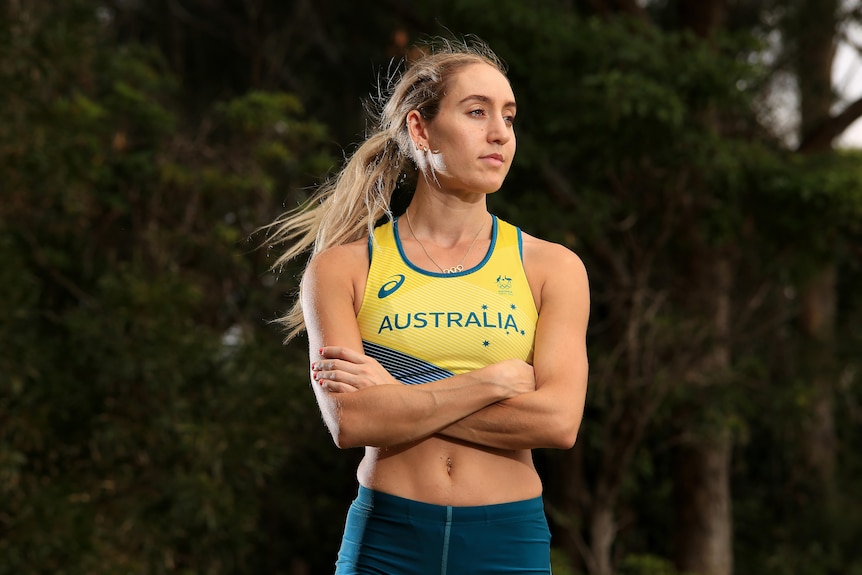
(444, 250)
(448, 221)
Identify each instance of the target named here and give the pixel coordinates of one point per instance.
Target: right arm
(383, 415)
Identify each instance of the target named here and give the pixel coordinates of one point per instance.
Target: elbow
(567, 440)
(349, 432)
(345, 428)
(565, 434)
(341, 429)
(344, 440)
(345, 437)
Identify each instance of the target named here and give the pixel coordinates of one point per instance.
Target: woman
(446, 342)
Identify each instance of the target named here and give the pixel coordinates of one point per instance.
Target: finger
(344, 353)
(327, 375)
(357, 381)
(333, 365)
(335, 386)
(320, 365)
(339, 376)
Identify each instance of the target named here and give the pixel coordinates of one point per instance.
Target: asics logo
(391, 286)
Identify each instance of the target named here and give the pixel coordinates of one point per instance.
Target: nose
(499, 132)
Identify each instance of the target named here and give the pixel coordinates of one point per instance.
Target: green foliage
(148, 409)
(811, 206)
(560, 563)
(150, 421)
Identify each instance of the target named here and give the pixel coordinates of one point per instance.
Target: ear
(418, 128)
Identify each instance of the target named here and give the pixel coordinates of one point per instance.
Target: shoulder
(554, 270)
(337, 268)
(351, 254)
(546, 257)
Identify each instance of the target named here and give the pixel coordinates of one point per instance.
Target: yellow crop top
(423, 326)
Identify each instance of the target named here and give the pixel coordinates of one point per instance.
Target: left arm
(551, 415)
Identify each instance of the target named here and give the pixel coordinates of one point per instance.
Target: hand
(342, 370)
(517, 375)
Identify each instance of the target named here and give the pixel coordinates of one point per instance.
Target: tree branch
(821, 139)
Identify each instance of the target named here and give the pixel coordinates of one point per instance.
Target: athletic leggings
(390, 535)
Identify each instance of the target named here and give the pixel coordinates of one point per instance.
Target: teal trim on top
(417, 269)
(520, 244)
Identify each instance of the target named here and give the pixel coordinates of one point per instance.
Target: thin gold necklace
(453, 269)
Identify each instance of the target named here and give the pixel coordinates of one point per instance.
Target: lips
(496, 159)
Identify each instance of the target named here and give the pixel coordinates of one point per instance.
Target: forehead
(479, 80)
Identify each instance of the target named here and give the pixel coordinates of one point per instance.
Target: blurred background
(701, 156)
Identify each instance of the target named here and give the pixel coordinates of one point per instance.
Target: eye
(510, 120)
(477, 112)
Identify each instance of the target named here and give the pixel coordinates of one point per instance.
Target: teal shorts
(390, 535)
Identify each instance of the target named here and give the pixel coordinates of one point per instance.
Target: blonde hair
(347, 207)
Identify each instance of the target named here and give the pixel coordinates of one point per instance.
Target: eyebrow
(487, 100)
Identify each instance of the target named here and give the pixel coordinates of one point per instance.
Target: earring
(424, 148)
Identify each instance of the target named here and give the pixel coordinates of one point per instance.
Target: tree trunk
(574, 498)
(603, 531)
(703, 532)
(815, 27)
(818, 324)
(702, 508)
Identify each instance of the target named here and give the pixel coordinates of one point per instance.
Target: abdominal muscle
(442, 471)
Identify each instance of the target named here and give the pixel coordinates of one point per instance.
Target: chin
(483, 187)
(487, 185)
(492, 187)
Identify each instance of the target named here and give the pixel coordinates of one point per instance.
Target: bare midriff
(447, 472)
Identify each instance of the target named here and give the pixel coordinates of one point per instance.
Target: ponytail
(343, 211)
(347, 208)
